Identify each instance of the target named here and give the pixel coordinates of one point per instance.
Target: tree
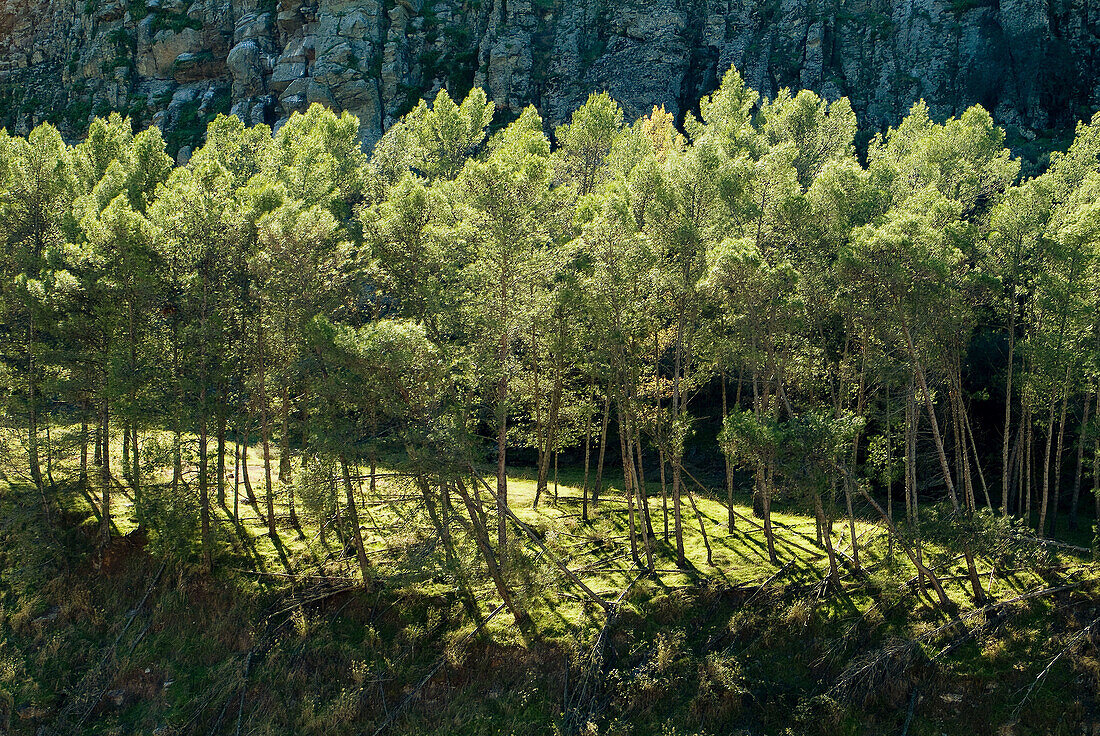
(512, 214)
(35, 198)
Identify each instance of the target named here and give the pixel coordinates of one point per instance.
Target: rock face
(177, 63)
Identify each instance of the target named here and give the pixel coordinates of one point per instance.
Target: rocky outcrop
(177, 63)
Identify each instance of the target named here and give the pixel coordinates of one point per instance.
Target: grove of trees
(913, 330)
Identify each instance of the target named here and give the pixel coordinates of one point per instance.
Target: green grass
(701, 650)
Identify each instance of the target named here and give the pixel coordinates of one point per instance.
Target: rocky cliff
(176, 63)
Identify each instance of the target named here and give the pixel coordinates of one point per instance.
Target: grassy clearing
(704, 650)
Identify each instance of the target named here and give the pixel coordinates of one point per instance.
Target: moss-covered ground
(282, 637)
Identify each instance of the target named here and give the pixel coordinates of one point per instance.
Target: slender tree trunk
(541, 444)
(731, 517)
(889, 476)
(861, 399)
(286, 481)
(551, 432)
(1081, 437)
(912, 426)
(1014, 465)
(105, 468)
(98, 441)
(664, 490)
(84, 444)
(587, 449)
(1046, 472)
(237, 479)
(502, 466)
(265, 432)
(139, 506)
(642, 488)
(32, 411)
(135, 464)
(979, 593)
(1005, 465)
(597, 489)
(647, 522)
(1029, 456)
(628, 481)
(204, 449)
(1059, 455)
(49, 460)
(819, 514)
(177, 446)
(1096, 473)
(481, 536)
(503, 350)
(353, 518)
(659, 435)
(126, 451)
(937, 438)
(222, 420)
(249, 495)
(204, 483)
(675, 449)
(923, 572)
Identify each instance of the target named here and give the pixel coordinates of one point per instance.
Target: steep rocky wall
(177, 63)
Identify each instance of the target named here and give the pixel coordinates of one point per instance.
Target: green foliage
(470, 290)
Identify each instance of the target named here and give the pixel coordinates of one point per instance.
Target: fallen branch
(542, 545)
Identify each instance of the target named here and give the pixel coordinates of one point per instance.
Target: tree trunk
(1046, 473)
(819, 514)
(105, 468)
(628, 482)
(979, 594)
(923, 572)
(249, 495)
(597, 488)
(502, 465)
(481, 536)
(1059, 454)
(643, 493)
(1096, 471)
(550, 434)
(135, 471)
(640, 487)
(237, 478)
(731, 519)
(222, 420)
(889, 477)
(353, 518)
(675, 449)
(587, 450)
(84, 444)
(126, 451)
(265, 433)
(937, 438)
(912, 501)
(1005, 463)
(1029, 473)
(769, 533)
(204, 450)
(32, 410)
(286, 481)
(1081, 437)
(204, 483)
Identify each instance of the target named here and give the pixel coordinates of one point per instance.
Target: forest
(727, 425)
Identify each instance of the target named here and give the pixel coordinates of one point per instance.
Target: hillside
(724, 425)
(282, 640)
